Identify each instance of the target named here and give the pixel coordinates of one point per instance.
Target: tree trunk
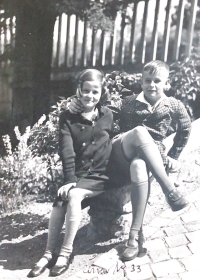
(32, 67)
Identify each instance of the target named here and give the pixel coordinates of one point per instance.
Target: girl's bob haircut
(91, 75)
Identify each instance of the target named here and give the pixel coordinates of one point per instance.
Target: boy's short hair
(156, 66)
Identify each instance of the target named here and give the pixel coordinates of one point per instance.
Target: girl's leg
(55, 226)
(73, 217)
(56, 222)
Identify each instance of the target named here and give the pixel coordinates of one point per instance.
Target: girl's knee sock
(150, 154)
(56, 222)
(72, 222)
(139, 197)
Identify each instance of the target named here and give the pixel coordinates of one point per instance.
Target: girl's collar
(91, 116)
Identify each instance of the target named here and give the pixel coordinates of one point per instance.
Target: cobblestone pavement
(173, 244)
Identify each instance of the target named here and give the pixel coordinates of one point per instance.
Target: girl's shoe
(37, 269)
(132, 251)
(176, 200)
(60, 269)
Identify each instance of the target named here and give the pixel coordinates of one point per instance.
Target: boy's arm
(67, 153)
(115, 101)
(182, 119)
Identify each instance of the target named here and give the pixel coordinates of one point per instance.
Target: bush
(20, 172)
(185, 84)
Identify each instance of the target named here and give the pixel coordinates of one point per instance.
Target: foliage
(28, 169)
(18, 171)
(99, 13)
(185, 84)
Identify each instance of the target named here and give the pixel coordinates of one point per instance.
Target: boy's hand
(63, 191)
(75, 106)
(173, 165)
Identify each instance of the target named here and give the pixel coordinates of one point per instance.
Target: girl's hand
(63, 191)
(173, 165)
(75, 106)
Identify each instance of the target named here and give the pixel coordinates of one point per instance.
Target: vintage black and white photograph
(99, 139)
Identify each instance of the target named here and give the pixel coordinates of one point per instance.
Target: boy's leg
(139, 196)
(139, 140)
(140, 192)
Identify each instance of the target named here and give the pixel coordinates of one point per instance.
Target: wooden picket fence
(148, 35)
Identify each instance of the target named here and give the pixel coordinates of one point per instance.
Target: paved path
(173, 243)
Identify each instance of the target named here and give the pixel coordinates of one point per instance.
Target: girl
(85, 147)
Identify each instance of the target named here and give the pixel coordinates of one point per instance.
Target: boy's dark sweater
(132, 113)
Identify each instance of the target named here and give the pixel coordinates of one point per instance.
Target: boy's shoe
(141, 241)
(176, 200)
(131, 252)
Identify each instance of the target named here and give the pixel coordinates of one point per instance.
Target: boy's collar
(142, 99)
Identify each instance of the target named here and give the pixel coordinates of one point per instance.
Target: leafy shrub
(185, 84)
(20, 172)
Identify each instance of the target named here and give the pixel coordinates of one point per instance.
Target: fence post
(112, 47)
(67, 42)
(154, 41)
(177, 39)
(121, 46)
(102, 48)
(93, 52)
(132, 40)
(166, 31)
(143, 36)
(84, 47)
(58, 42)
(75, 41)
(192, 19)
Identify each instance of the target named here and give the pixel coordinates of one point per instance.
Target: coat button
(83, 161)
(91, 160)
(83, 127)
(84, 144)
(93, 142)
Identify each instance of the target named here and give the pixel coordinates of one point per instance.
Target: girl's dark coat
(85, 148)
